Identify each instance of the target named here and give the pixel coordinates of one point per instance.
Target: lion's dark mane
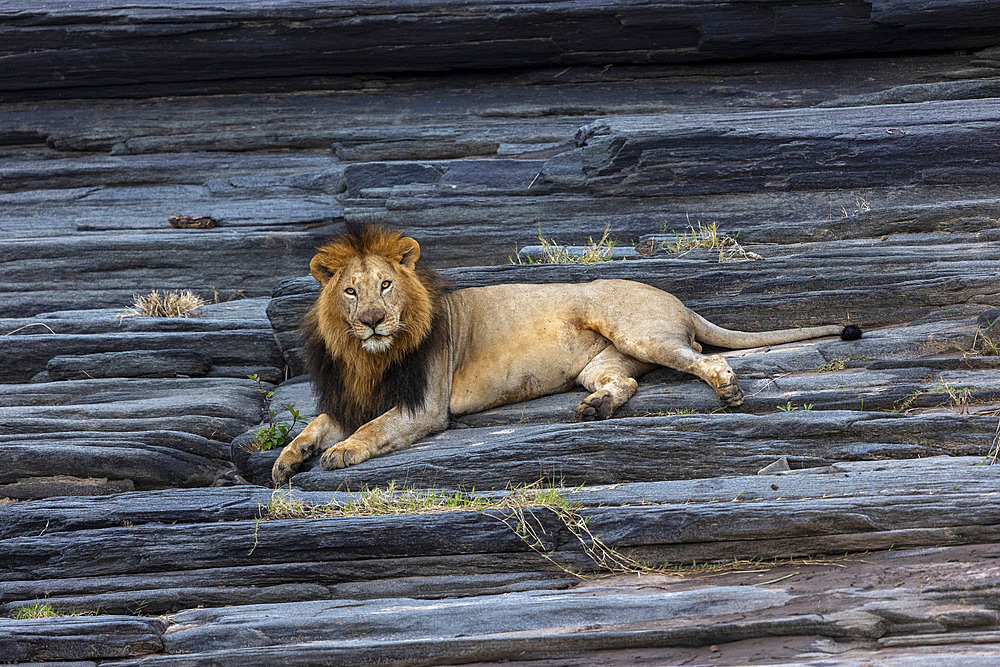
(404, 382)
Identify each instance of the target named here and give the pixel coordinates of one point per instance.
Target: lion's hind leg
(610, 378)
(653, 326)
(711, 368)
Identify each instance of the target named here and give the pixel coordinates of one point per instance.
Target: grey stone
(130, 363)
(293, 40)
(704, 154)
(866, 182)
(226, 261)
(798, 609)
(79, 638)
(63, 485)
(147, 433)
(647, 449)
(781, 465)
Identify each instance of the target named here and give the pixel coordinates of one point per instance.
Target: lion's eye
(350, 290)
(385, 284)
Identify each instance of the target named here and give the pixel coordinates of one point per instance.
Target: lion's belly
(532, 349)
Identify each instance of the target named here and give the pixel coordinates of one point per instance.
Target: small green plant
(556, 253)
(45, 609)
(37, 609)
(788, 407)
(274, 434)
(835, 365)
(708, 237)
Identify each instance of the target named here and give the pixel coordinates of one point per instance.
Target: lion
(393, 351)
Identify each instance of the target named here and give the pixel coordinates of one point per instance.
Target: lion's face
(375, 299)
(371, 297)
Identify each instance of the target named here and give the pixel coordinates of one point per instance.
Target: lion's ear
(320, 271)
(409, 251)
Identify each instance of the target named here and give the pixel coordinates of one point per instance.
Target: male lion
(393, 352)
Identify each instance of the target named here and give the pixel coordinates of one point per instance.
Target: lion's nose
(372, 320)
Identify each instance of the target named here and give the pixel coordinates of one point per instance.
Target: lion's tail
(706, 332)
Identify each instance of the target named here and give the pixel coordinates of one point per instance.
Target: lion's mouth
(376, 343)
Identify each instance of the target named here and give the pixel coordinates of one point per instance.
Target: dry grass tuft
(984, 344)
(556, 253)
(165, 304)
(861, 205)
(708, 237)
(709, 569)
(512, 509)
(958, 399)
(994, 453)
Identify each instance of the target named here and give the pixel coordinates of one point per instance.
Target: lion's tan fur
(503, 344)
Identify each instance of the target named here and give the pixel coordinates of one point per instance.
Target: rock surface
(217, 553)
(863, 175)
(130, 363)
(197, 42)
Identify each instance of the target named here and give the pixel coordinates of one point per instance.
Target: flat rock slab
(813, 608)
(219, 552)
(79, 638)
(197, 260)
(429, 37)
(649, 448)
(130, 363)
(228, 335)
(147, 432)
(874, 145)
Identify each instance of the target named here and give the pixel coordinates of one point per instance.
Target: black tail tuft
(851, 332)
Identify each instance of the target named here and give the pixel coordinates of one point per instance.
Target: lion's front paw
(596, 406)
(284, 468)
(344, 454)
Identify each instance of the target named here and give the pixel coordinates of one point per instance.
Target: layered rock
(865, 181)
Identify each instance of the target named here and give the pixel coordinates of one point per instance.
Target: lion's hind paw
(596, 406)
(731, 394)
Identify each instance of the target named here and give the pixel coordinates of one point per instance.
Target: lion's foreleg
(394, 430)
(398, 427)
(321, 433)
